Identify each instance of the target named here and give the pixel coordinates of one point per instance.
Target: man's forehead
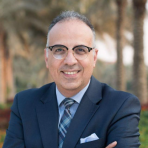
(71, 33)
(70, 25)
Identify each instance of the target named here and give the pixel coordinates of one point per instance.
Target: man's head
(69, 15)
(70, 66)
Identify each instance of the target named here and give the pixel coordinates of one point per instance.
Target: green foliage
(143, 127)
(2, 106)
(2, 137)
(5, 106)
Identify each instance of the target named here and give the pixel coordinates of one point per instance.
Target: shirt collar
(76, 97)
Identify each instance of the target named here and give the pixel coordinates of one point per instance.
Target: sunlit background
(107, 47)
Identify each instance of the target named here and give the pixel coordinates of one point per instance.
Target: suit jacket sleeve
(14, 133)
(124, 126)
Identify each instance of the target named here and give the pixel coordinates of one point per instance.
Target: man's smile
(70, 73)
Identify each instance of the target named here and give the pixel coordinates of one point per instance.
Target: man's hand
(112, 145)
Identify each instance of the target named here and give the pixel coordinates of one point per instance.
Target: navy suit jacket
(113, 115)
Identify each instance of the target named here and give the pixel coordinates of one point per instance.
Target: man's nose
(70, 58)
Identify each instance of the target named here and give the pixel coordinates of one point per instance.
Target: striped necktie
(65, 120)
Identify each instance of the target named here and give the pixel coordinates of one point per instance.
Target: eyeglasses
(60, 51)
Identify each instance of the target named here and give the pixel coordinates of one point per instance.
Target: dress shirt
(73, 108)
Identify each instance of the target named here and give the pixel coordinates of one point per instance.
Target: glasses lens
(80, 52)
(59, 52)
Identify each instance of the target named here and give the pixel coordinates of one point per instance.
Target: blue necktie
(65, 120)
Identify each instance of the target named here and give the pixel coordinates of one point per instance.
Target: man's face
(71, 75)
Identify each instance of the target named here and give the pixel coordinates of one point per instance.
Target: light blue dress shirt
(73, 108)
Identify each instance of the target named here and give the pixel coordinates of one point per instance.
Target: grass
(143, 127)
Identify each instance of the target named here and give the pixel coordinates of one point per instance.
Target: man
(76, 111)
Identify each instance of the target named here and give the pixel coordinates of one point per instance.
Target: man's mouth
(71, 72)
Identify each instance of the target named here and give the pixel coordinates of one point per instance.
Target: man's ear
(95, 56)
(46, 56)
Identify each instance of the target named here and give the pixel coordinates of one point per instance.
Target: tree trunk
(121, 7)
(139, 69)
(10, 89)
(2, 72)
(7, 88)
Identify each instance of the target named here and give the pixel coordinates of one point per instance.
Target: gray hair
(68, 15)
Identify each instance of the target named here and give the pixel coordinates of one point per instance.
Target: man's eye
(59, 50)
(81, 50)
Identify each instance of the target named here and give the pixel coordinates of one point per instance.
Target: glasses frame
(89, 48)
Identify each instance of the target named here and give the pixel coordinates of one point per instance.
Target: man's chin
(71, 86)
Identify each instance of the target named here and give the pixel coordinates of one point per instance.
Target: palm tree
(121, 7)
(139, 69)
(13, 20)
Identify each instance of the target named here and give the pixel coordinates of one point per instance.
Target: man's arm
(14, 133)
(124, 126)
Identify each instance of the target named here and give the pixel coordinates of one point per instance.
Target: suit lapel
(47, 114)
(87, 108)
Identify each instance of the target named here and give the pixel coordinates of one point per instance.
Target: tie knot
(68, 102)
